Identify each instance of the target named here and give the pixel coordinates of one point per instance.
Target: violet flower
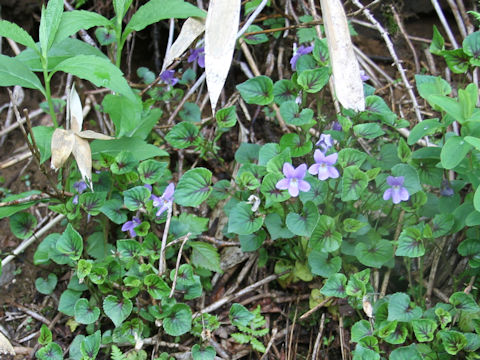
(148, 186)
(80, 186)
(293, 181)
(168, 77)
(325, 142)
(446, 189)
(397, 192)
(336, 126)
(364, 76)
(131, 225)
(197, 55)
(302, 50)
(323, 166)
(165, 201)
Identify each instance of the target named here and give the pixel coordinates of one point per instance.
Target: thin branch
(179, 257)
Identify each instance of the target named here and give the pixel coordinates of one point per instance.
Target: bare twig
(444, 22)
(315, 308)
(399, 22)
(433, 269)
(317, 344)
(179, 257)
(162, 266)
(270, 343)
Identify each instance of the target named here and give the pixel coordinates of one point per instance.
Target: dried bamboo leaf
(93, 135)
(62, 145)
(346, 72)
(83, 157)
(76, 111)
(192, 28)
(5, 346)
(221, 28)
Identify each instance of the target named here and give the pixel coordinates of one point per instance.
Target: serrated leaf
(16, 33)
(75, 20)
(14, 72)
(206, 256)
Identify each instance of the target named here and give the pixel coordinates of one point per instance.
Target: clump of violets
(131, 225)
(168, 77)
(297, 52)
(164, 202)
(325, 142)
(397, 192)
(293, 181)
(323, 166)
(80, 187)
(197, 55)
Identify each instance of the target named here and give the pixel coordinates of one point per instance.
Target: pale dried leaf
(76, 111)
(367, 307)
(89, 134)
(192, 28)
(5, 346)
(221, 28)
(62, 144)
(346, 72)
(83, 157)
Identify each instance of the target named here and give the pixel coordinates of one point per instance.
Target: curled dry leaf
(5, 346)
(191, 29)
(73, 140)
(346, 71)
(221, 29)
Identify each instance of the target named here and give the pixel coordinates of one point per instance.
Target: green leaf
(376, 109)
(49, 23)
(293, 116)
(239, 315)
(463, 302)
(117, 310)
(453, 341)
(206, 256)
(438, 43)
(303, 224)
(194, 187)
(183, 135)
(92, 202)
(349, 157)
(284, 90)
(386, 328)
(156, 286)
(179, 320)
(355, 287)
(269, 189)
(140, 149)
(374, 253)
(242, 220)
(471, 47)
(70, 243)
(456, 60)
(424, 329)
(410, 174)
(354, 183)
(473, 342)
(256, 38)
(400, 308)
(363, 353)
(51, 351)
(320, 263)
(84, 313)
(14, 72)
(226, 117)
(112, 209)
(325, 237)
(203, 353)
(17, 34)
(297, 145)
(136, 197)
(406, 352)
(67, 301)
(125, 112)
(454, 151)
(45, 335)
(190, 112)
(360, 330)
(46, 286)
(123, 163)
(470, 248)
(43, 139)
(368, 131)
(22, 224)
(312, 81)
(353, 225)
(252, 242)
(399, 335)
(75, 20)
(151, 171)
(99, 71)
(247, 153)
(424, 128)
(335, 286)
(257, 90)
(410, 243)
(276, 227)
(83, 268)
(156, 10)
(91, 345)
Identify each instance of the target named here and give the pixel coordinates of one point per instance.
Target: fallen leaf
(5, 346)
(73, 140)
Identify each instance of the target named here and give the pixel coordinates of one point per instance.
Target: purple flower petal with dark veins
(325, 142)
(397, 192)
(302, 50)
(131, 225)
(197, 55)
(168, 77)
(323, 166)
(293, 181)
(164, 202)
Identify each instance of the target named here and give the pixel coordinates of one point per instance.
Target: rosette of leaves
(74, 140)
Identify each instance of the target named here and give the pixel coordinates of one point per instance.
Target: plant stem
(48, 94)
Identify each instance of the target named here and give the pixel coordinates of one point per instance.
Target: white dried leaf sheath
(76, 111)
(221, 29)
(83, 157)
(346, 72)
(62, 145)
(191, 29)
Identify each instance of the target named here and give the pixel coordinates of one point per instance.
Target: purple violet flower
(397, 192)
(165, 201)
(168, 77)
(302, 50)
(324, 165)
(80, 187)
(293, 181)
(446, 189)
(131, 225)
(325, 142)
(197, 55)
(148, 186)
(336, 126)
(364, 76)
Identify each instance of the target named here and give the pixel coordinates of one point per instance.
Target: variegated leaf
(62, 144)
(346, 72)
(192, 28)
(220, 36)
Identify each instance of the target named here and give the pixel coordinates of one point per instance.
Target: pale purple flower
(293, 181)
(165, 201)
(324, 165)
(364, 76)
(302, 50)
(168, 77)
(325, 142)
(336, 126)
(197, 55)
(148, 186)
(397, 192)
(131, 225)
(446, 189)
(80, 187)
